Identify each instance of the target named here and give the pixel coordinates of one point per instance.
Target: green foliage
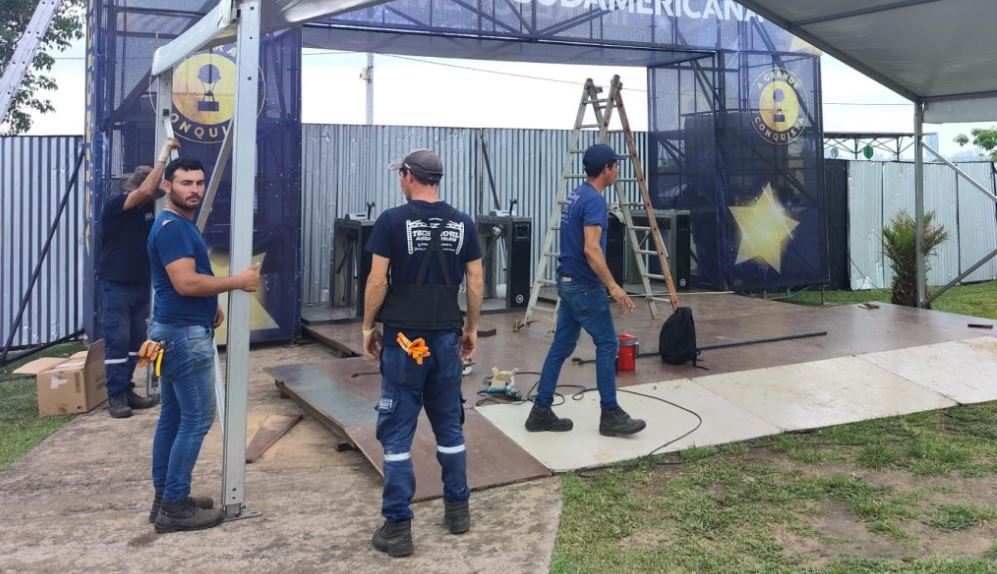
(982, 137)
(899, 240)
(68, 25)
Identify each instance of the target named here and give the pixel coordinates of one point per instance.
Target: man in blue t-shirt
(123, 281)
(427, 247)
(184, 316)
(582, 280)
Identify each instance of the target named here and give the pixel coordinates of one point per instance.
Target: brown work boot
(199, 501)
(184, 515)
(394, 538)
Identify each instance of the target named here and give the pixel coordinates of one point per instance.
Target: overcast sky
(474, 93)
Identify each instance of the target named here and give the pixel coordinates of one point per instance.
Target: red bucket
(626, 356)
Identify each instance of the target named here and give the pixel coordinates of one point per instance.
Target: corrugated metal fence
(34, 172)
(878, 191)
(345, 167)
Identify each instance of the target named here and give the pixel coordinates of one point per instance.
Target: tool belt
(423, 306)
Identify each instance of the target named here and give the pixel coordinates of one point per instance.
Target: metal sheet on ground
(348, 401)
(584, 447)
(965, 371)
(823, 393)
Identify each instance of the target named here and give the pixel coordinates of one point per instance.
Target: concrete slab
(584, 447)
(823, 393)
(964, 371)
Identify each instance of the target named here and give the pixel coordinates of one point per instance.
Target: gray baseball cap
(132, 181)
(421, 162)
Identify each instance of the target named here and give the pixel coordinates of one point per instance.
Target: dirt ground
(79, 502)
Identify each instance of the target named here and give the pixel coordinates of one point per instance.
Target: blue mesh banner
(735, 139)
(121, 132)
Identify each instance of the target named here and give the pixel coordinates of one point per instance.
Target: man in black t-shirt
(124, 283)
(421, 252)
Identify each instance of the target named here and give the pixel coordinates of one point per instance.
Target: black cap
(423, 163)
(597, 156)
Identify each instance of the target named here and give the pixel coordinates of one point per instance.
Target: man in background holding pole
(123, 275)
(428, 247)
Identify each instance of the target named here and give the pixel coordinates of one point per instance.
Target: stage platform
(873, 362)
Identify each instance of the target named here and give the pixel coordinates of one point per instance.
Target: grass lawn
(907, 494)
(20, 426)
(977, 300)
(910, 494)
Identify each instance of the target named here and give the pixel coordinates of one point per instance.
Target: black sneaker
(544, 419)
(616, 422)
(457, 515)
(138, 402)
(117, 406)
(198, 501)
(184, 515)
(394, 538)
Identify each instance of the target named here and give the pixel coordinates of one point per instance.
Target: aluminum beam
(919, 275)
(243, 128)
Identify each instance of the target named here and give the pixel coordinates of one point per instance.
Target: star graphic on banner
(259, 318)
(765, 227)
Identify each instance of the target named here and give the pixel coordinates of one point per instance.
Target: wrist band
(367, 332)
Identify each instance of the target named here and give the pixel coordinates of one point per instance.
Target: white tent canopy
(939, 52)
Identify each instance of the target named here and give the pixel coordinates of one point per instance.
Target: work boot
(544, 419)
(184, 515)
(139, 402)
(394, 538)
(457, 515)
(616, 422)
(204, 502)
(117, 406)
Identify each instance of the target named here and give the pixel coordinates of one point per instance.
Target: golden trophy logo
(204, 96)
(781, 114)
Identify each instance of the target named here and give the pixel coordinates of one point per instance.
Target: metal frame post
(241, 251)
(919, 202)
(164, 108)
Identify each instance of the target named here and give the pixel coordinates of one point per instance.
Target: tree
(984, 138)
(900, 240)
(67, 26)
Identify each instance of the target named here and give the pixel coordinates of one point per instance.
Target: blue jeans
(124, 309)
(582, 307)
(406, 388)
(187, 386)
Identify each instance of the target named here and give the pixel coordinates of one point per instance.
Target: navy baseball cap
(597, 156)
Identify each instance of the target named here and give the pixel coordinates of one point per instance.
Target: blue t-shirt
(403, 237)
(123, 254)
(583, 207)
(175, 237)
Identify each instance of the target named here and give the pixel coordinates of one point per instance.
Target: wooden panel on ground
(719, 318)
(343, 393)
(270, 431)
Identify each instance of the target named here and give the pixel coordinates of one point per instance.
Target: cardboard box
(69, 386)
